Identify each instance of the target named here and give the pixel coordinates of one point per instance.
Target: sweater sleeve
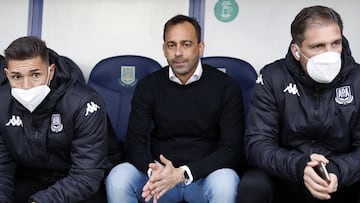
(346, 165)
(88, 155)
(137, 139)
(7, 173)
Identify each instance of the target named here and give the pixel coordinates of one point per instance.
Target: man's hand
(317, 186)
(156, 168)
(162, 179)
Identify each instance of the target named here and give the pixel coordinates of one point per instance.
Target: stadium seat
(115, 79)
(240, 70)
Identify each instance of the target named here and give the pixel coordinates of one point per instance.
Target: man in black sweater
(196, 141)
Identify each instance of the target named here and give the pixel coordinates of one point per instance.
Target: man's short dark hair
(181, 19)
(27, 48)
(310, 15)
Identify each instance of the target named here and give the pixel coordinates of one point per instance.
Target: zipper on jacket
(317, 101)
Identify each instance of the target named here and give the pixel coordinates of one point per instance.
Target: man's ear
(52, 71)
(201, 48)
(6, 71)
(295, 51)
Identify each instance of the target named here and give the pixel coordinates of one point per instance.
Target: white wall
(90, 30)
(261, 32)
(14, 20)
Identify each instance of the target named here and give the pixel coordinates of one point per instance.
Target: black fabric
(199, 125)
(2, 73)
(72, 70)
(74, 154)
(26, 186)
(257, 186)
(291, 116)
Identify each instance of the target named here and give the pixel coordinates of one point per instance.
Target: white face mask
(323, 68)
(31, 98)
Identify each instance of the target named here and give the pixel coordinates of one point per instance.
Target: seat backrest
(115, 79)
(240, 70)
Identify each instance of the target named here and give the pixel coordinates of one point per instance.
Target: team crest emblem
(344, 95)
(127, 76)
(56, 125)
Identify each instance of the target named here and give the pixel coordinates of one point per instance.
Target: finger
(148, 198)
(333, 184)
(320, 195)
(314, 180)
(147, 186)
(318, 180)
(146, 195)
(312, 163)
(157, 187)
(319, 158)
(161, 193)
(315, 193)
(159, 164)
(165, 161)
(155, 168)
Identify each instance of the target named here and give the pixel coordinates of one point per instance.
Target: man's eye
(187, 45)
(337, 43)
(16, 77)
(36, 75)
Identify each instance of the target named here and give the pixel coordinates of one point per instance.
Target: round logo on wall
(226, 10)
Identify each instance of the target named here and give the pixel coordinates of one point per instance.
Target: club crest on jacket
(56, 125)
(344, 95)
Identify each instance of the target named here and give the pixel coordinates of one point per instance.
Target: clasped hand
(164, 176)
(317, 186)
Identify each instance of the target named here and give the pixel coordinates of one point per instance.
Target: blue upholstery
(244, 74)
(115, 79)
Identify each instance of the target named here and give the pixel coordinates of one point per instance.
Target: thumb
(164, 160)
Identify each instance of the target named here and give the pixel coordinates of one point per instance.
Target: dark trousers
(26, 186)
(257, 186)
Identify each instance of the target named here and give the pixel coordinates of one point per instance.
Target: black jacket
(64, 139)
(2, 66)
(291, 116)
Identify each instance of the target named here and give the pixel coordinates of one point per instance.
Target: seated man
(54, 130)
(196, 139)
(304, 114)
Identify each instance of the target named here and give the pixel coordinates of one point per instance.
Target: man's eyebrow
(31, 71)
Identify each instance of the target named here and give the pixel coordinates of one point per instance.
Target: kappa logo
(292, 89)
(259, 80)
(14, 121)
(91, 107)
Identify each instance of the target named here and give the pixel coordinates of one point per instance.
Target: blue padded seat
(115, 79)
(240, 70)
